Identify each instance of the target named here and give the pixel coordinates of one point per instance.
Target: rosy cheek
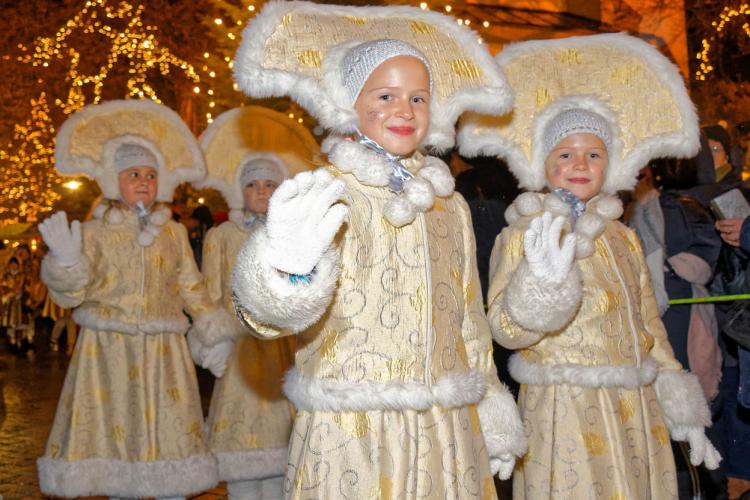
(555, 170)
(372, 115)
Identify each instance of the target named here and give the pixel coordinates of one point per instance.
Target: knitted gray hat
(575, 121)
(363, 59)
(133, 155)
(255, 169)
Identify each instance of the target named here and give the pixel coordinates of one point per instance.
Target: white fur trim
(315, 394)
(399, 211)
(323, 98)
(501, 424)
(439, 175)
(66, 279)
(112, 213)
(628, 377)
(351, 157)
(542, 307)
(420, 193)
(69, 162)
(621, 172)
(118, 478)
(681, 399)
(217, 325)
(252, 464)
(89, 318)
(270, 298)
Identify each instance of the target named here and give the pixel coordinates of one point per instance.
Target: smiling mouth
(402, 130)
(579, 180)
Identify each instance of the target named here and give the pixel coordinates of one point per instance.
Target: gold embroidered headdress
(296, 49)
(92, 141)
(241, 135)
(622, 79)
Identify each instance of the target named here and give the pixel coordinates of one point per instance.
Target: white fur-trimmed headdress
(297, 49)
(622, 79)
(241, 135)
(88, 143)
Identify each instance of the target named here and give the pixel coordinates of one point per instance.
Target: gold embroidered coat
(129, 420)
(596, 430)
(250, 419)
(386, 383)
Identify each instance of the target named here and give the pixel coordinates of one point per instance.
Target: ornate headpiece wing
(286, 51)
(240, 134)
(86, 144)
(624, 79)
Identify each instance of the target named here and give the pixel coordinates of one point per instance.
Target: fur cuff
(65, 279)
(542, 307)
(271, 298)
(118, 478)
(628, 377)
(250, 465)
(682, 400)
(315, 394)
(212, 327)
(501, 424)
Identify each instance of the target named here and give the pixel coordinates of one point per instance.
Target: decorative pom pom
(399, 211)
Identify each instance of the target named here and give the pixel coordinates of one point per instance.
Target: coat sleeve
(68, 285)
(498, 413)
(269, 302)
(522, 310)
(213, 265)
(211, 323)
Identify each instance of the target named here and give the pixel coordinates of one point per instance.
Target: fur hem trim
(628, 377)
(541, 307)
(316, 394)
(270, 298)
(681, 399)
(249, 465)
(215, 326)
(118, 478)
(88, 318)
(501, 424)
(66, 279)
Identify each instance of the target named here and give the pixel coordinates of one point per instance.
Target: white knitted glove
(701, 449)
(303, 218)
(549, 262)
(64, 242)
(216, 357)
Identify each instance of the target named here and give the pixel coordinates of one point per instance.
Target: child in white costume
(396, 391)
(601, 391)
(129, 421)
(250, 420)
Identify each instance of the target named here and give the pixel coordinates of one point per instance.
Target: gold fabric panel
(248, 409)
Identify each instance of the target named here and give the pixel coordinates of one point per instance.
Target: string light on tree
(727, 15)
(28, 178)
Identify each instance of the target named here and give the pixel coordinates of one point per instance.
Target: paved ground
(30, 386)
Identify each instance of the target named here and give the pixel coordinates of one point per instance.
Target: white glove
(547, 260)
(64, 242)
(303, 218)
(216, 357)
(701, 449)
(503, 466)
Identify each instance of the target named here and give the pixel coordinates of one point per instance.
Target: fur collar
(432, 177)
(115, 213)
(244, 220)
(589, 226)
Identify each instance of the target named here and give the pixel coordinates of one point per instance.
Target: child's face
(257, 194)
(394, 105)
(138, 184)
(578, 164)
